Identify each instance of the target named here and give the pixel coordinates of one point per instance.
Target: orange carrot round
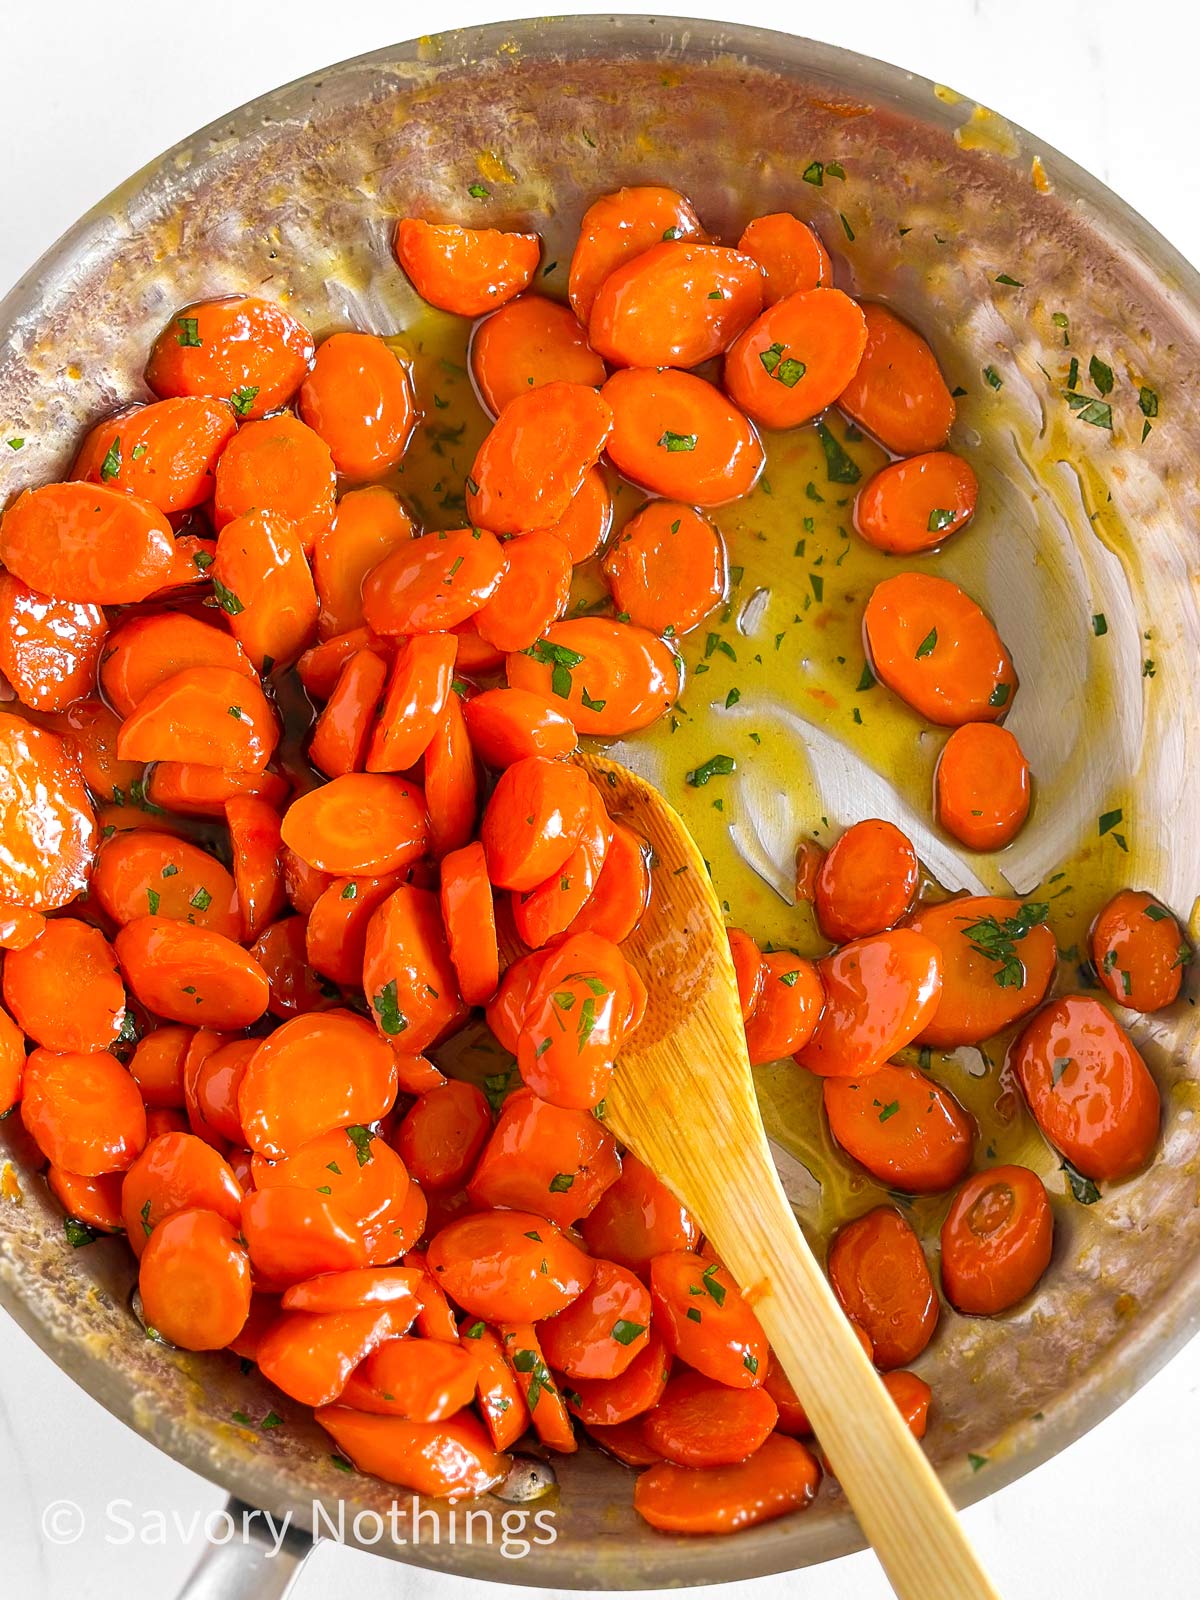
(534, 460)
(915, 505)
(359, 399)
(795, 359)
(667, 568)
(981, 786)
(789, 252)
(465, 270)
(248, 350)
(675, 305)
(679, 437)
(527, 343)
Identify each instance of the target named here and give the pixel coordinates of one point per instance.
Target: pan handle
(253, 1567)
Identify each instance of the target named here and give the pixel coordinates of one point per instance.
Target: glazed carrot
(164, 453)
(867, 881)
(282, 470)
(612, 678)
(625, 1441)
(263, 584)
(998, 958)
(469, 917)
(532, 594)
(551, 1419)
(343, 730)
(607, 1402)
(96, 1202)
(475, 655)
(581, 1003)
(602, 1332)
(294, 987)
(415, 702)
(530, 342)
(880, 1276)
(360, 825)
(637, 1219)
(156, 1066)
(584, 525)
(898, 392)
(353, 1291)
(42, 798)
(176, 1172)
(1139, 951)
(505, 1011)
(996, 1240)
(465, 270)
(912, 1396)
(303, 883)
(191, 557)
(255, 843)
(1088, 1087)
(213, 1090)
(195, 1281)
(789, 252)
(358, 398)
(679, 437)
(617, 228)
(667, 568)
(748, 969)
(86, 542)
(368, 524)
(793, 1419)
(699, 1423)
(934, 647)
(810, 858)
(796, 359)
(909, 1132)
(447, 1460)
(49, 649)
(146, 649)
(426, 1380)
(248, 350)
(781, 1476)
(675, 305)
(545, 1158)
(408, 977)
(91, 728)
(336, 930)
(880, 992)
(311, 1356)
(314, 1074)
(202, 791)
(622, 892)
(434, 582)
(534, 460)
(492, 1265)
(981, 786)
(441, 1135)
(83, 1110)
(212, 715)
(451, 781)
(917, 504)
(506, 725)
(189, 974)
(521, 854)
(153, 874)
(293, 1235)
(360, 1176)
(546, 911)
(726, 1344)
(501, 1402)
(19, 928)
(788, 1007)
(320, 665)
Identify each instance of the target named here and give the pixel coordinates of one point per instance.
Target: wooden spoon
(683, 1100)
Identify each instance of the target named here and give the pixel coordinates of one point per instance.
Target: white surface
(89, 93)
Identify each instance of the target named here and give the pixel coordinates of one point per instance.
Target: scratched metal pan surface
(295, 194)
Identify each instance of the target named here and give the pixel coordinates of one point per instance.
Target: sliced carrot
(451, 781)
(1139, 951)
(293, 1235)
(507, 725)
(797, 358)
(213, 1090)
(981, 786)
(501, 1402)
(912, 1396)
(622, 893)
(626, 1442)
(726, 1344)
(249, 350)
(636, 1219)
(368, 525)
(443, 1460)
(263, 584)
(335, 934)
(83, 1110)
(603, 1332)
(255, 844)
(96, 1202)
(880, 1276)
(469, 916)
(209, 715)
(789, 252)
(415, 702)
(164, 453)
(343, 730)
(303, 883)
(521, 853)
(361, 1177)
(618, 227)
(534, 460)
(433, 583)
(532, 594)
(612, 678)
(358, 398)
(508, 1266)
(781, 1476)
(996, 1240)
(441, 1136)
(358, 826)
(898, 392)
(203, 791)
(997, 958)
(189, 974)
(679, 437)
(917, 504)
(607, 1402)
(156, 1066)
(584, 525)
(527, 343)
(310, 1356)
(810, 858)
(175, 1172)
(546, 911)
(408, 977)
(880, 992)
(909, 1132)
(355, 1290)
(194, 1281)
(475, 654)
(294, 987)
(19, 928)
(545, 1158)
(321, 664)
(87, 543)
(68, 958)
(145, 650)
(749, 970)
(465, 270)
(788, 1008)
(92, 729)
(49, 649)
(426, 1380)
(667, 568)
(551, 1419)
(42, 797)
(675, 305)
(867, 881)
(154, 874)
(700, 1423)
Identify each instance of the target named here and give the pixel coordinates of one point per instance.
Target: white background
(89, 93)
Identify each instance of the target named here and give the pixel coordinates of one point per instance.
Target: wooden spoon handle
(896, 1495)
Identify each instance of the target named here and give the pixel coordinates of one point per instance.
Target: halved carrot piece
(936, 648)
(417, 691)
(916, 504)
(156, 1066)
(534, 460)
(465, 270)
(789, 252)
(679, 437)
(584, 525)
(617, 227)
(165, 453)
(408, 977)
(42, 798)
(898, 393)
(176, 1171)
(527, 343)
(781, 1476)
(434, 582)
(547, 1159)
(49, 649)
(311, 1355)
(295, 988)
(262, 582)
(358, 398)
(440, 1137)
(64, 988)
(257, 874)
(451, 781)
(981, 786)
(245, 348)
(866, 882)
(343, 730)
(190, 974)
(997, 957)
(506, 725)
(667, 568)
(281, 469)
(319, 666)
(996, 1243)
(354, 1168)
(96, 1202)
(880, 993)
(506, 1010)
(367, 526)
(83, 1110)
(144, 650)
(879, 1273)
(521, 853)
(618, 902)
(909, 1132)
(448, 1460)
(470, 919)
(546, 911)
(701, 1423)
(551, 1419)
(675, 305)
(501, 1402)
(532, 594)
(91, 728)
(603, 1332)
(12, 1062)
(611, 677)
(748, 969)
(425, 1380)
(213, 716)
(336, 931)
(203, 791)
(354, 1290)
(361, 825)
(87, 542)
(154, 874)
(604, 1402)
(797, 357)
